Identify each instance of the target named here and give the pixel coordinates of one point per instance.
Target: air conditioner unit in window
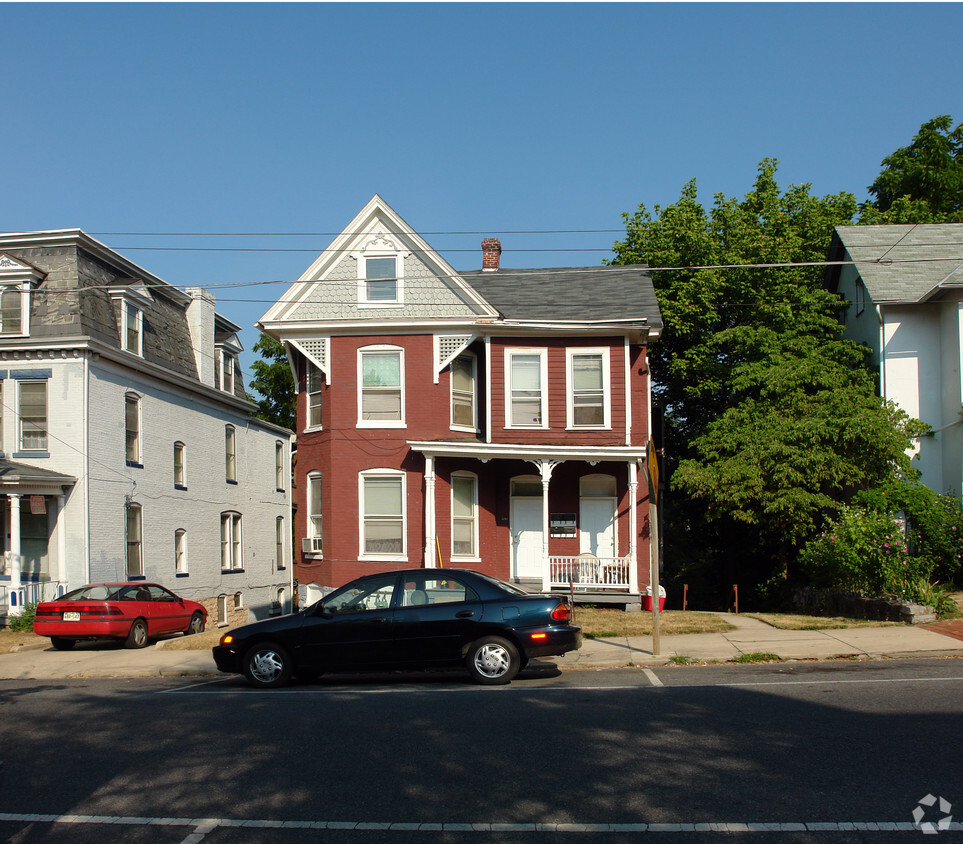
(311, 545)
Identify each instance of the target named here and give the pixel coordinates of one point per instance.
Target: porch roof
(20, 476)
(523, 451)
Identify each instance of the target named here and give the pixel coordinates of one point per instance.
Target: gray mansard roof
(901, 263)
(583, 294)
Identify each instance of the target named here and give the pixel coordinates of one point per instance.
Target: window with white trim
(463, 389)
(381, 396)
(180, 465)
(231, 542)
(11, 309)
(132, 330)
(32, 415)
(134, 538)
(279, 542)
(464, 515)
(221, 610)
(380, 280)
(315, 522)
(132, 440)
(383, 514)
(279, 473)
(587, 377)
(230, 453)
(180, 551)
(228, 363)
(314, 381)
(526, 375)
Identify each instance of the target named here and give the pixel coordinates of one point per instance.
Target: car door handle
(465, 614)
(379, 619)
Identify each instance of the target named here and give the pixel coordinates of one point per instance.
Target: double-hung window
(135, 561)
(381, 280)
(588, 388)
(132, 429)
(464, 515)
(526, 376)
(313, 384)
(11, 310)
(180, 465)
(279, 542)
(314, 513)
(231, 542)
(383, 515)
(133, 329)
(463, 384)
(230, 454)
(279, 479)
(381, 397)
(33, 415)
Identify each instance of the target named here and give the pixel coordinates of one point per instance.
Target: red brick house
(494, 419)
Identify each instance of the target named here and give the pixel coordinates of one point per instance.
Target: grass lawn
(602, 623)
(10, 641)
(785, 621)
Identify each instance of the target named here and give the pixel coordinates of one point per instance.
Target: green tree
(771, 421)
(922, 182)
(274, 383)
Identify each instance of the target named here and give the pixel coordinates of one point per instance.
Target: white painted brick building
(129, 450)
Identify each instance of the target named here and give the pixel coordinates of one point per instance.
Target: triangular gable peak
(379, 269)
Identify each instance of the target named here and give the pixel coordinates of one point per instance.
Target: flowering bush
(865, 551)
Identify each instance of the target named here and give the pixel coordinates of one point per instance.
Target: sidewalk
(750, 636)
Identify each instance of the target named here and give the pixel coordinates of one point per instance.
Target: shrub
(865, 551)
(24, 622)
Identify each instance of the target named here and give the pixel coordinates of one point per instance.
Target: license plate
(71, 616)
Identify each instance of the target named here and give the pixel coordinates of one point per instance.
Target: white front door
(597, 526)
(527, 537)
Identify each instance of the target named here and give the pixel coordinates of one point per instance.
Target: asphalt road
(611, 756)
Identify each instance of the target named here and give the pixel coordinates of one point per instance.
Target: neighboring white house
(128, 446)
(906, 290)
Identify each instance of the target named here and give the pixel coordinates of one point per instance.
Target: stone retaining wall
(851, 605)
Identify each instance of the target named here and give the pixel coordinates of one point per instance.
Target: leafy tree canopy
(922, 182)
(771, 418)
(274, 383)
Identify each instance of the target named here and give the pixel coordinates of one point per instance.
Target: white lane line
(648, 672)
(202, 826)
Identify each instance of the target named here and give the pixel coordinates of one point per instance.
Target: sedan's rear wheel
(62, 644)
(137, 638)
(196, 626)
(493, 661)
(267, 666)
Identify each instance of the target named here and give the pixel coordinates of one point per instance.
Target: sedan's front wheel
(493, 661)
(267, 666)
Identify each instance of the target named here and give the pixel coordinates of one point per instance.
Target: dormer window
(133, 330)
(16, 281)
(225, 365)
(132, 298)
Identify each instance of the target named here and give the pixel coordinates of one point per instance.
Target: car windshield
(98, 592)
(501, 584)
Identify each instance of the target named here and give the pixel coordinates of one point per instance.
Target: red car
(133, 612)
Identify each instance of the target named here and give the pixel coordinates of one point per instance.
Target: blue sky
(490, 118)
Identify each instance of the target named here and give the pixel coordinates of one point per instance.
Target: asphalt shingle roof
(571, 293)
(905, 263)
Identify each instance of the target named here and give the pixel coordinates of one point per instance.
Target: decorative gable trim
(448, 347)
(13, 269)
(376, 220)
(316, 351)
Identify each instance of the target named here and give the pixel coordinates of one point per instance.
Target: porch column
(545, 469)
(14, 557)
(60, 576)
(633, 525)
(429, 511)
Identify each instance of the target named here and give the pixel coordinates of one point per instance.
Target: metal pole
(654, 583)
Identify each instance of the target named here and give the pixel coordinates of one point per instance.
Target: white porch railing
(589, 572)
(30, 592)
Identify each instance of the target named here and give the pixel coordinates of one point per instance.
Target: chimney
(491, 250)
(200, 320)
